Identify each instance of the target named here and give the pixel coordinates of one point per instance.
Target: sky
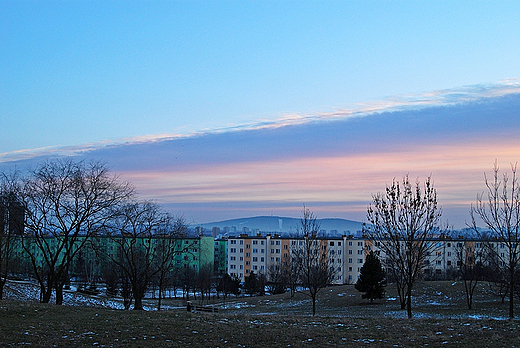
(225, 109)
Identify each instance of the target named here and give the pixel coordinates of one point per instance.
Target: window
(255, 251)
(339, 252)
(262, 251)
(241, 242)
(255, 242)
(233, 250)
(350, 269)
(277, 242)
(248, 263)
(241, 250)
(233, 241)
(439, 262)
(331, 243)
(248, 246)
(350, 252)
(359, 260)
(241, 258)
(272, 251)
(255, 259)
(277, 251)
(262, 259)
(339, 243)
(286, 247)
(359, 243)
(261, 242)
(448, 263)
(360, 252)
(241, 266)
(248, 254)
(233, 258)
(349, 260)
(232, 267)
(449, 253)
(349, 243)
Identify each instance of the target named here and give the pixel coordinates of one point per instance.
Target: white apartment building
(259, 253)
(345, 254)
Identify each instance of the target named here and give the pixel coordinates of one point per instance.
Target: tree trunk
(409, 303)
(59, 294)
(160, 295)
(511, 293)
(138, 304)
(46, 293)
(469, 297)
(2, 284)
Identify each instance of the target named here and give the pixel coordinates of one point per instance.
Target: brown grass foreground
(246, 323)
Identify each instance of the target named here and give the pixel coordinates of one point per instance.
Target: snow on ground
(30, 291)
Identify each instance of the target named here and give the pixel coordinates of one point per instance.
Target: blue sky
(86, 74)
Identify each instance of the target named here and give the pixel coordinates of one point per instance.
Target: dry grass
(274, 321)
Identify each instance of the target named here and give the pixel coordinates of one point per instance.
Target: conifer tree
(371, 278)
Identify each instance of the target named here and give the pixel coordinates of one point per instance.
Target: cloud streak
(333, 162)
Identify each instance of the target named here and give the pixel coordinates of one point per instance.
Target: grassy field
(441, 320)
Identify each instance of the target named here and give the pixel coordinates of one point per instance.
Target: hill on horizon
(280, 224)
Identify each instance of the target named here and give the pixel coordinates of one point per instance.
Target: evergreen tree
(251, 284)
(371, 278)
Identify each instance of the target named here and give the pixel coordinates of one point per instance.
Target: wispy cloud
(392, 104)
(332, 161)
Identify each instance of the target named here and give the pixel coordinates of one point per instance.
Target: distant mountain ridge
(281, 225)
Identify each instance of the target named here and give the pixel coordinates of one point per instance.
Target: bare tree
(499, 211)
(135, 232)
(276, 280)
(228, 285)
(292, 270)
(65, 204)
(471, 268)
(205, 282)
(11, 227)
(312, 258)
(403, 221)
(167, 245)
